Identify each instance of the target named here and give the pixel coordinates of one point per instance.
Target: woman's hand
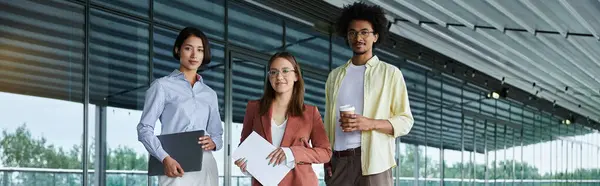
(241, 163)
(172, 167)
(277, 157)
(207, 143)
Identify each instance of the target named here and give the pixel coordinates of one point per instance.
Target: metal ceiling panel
(559, 14)
(588, 46)
(586, 14)
(427, 11)
(516, 11)
(533, 50)
(577, 59)
(487, 13)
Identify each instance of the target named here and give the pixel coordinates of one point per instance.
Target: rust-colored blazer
(298, 132)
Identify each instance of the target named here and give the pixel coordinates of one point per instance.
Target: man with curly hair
(364, 142)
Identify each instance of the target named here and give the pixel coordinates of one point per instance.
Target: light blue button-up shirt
(180, 108)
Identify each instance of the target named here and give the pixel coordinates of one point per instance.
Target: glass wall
(41, 118)
(51, 58)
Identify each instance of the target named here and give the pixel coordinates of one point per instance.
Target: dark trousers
(347, 172)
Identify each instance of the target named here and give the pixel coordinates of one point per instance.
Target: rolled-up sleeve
(153, 107)
(402, 118)
(215, 126)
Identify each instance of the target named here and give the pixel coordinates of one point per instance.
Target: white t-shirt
(352, 93)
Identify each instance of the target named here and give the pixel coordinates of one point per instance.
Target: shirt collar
(179, 74)
(370, 63)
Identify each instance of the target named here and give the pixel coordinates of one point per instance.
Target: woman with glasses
(282, 118)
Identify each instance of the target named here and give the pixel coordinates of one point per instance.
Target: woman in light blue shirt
(184, 103)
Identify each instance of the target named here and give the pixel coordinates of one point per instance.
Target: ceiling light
(494, 95)
(498, 94)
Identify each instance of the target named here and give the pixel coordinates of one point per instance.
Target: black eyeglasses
(362, 33)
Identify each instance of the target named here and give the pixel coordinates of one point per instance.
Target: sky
(61, 123)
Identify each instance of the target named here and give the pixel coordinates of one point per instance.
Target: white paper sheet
(256, 149)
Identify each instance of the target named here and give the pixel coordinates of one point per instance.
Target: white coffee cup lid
(345, 108)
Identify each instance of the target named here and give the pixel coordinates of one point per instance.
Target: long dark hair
(296, 105)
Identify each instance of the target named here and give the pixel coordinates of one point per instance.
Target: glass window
(207, 15)
(118, 60)
(249, 75)
(118, 79)
(310, 47)
(467, 151)
(164, 62)
(255, 30)
(41, 92)
(138, 7)
(341, 52)
(314, 85)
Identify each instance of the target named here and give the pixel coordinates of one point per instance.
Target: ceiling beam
(469, 48)
(481, 15)
(577, 45)
(545, 17)
(468, 37)
(579, 18)
(589, 55)
(396, 11)
(505, 46)
(543, 56)
(449, 13)
(570, 59)
(426, 14)
(588, 104)
(512, 16)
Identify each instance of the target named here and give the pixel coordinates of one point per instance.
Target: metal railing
(13, 176)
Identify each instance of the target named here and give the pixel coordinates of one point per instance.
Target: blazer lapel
(266, 124)
(293, 124)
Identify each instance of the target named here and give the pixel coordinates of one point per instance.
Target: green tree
(21, 149)
(411, 155)
(125, 158)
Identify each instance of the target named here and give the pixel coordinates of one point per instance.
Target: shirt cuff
(289, 157)
(218, 144)
(161, 154)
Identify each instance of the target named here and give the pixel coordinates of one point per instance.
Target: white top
(351, 93)
(277, 132)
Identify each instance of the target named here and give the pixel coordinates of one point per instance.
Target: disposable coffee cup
(346, 109)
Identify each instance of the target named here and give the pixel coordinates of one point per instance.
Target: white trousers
(208, 176)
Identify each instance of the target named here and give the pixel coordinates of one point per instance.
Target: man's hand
(207, 143)
(172, 167)
(355, 122)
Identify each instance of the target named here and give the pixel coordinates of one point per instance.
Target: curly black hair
(362, 11)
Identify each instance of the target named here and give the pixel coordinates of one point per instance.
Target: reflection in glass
(206, 15)
(41, 92)
(253, 29)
